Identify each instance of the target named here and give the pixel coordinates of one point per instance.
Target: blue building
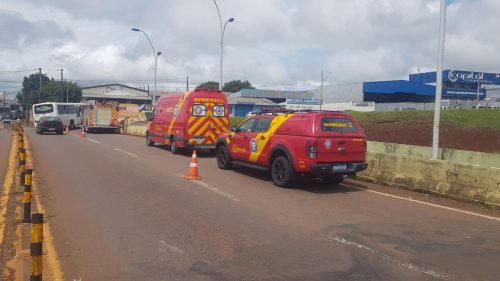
(460, 88)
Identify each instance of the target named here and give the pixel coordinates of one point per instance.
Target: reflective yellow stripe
(261, 143)
(179, 108)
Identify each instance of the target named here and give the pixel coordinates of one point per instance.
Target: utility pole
(62, 85)
(439, 80)
(40, 74)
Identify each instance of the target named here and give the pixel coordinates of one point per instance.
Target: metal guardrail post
(27, 196)
(36, 247)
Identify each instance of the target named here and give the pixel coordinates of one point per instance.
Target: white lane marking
(165, 248)
(408, 265)
(126, 152)
(93, 141)
(213, 189)
(428, 204)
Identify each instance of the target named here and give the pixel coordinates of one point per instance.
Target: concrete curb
(459, 181)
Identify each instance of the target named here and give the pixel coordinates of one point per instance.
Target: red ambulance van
(190, 120)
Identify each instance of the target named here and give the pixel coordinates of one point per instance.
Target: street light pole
(222, 31)
(155, 56)
(321, 89)
(439, 81)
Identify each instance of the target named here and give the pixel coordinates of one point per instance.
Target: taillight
(312, 149)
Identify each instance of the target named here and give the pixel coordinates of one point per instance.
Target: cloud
(272, 43)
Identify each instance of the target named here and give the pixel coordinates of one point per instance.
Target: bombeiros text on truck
(190, 120)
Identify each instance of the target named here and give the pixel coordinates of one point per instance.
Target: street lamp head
(135, 29)
(158, 53)
(230, 20)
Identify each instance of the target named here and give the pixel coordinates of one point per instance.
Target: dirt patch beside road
(420, 133)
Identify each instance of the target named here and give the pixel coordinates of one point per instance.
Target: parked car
(328, 145)
(250, 114)
(50, 124)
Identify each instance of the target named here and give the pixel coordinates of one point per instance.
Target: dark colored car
(49, 124)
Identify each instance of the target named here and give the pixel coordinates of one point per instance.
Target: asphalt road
(5, 143)
(120, 210)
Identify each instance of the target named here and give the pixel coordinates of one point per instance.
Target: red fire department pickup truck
(329, 145)
(189, 120)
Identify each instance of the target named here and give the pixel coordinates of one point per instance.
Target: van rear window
(336, 124)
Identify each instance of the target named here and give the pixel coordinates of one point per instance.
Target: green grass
(468, 118)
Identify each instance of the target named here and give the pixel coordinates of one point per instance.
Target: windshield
(51, 118)
(44, 109)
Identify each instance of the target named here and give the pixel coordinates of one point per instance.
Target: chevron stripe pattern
(209, 126)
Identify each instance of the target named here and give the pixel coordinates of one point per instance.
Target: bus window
(44, 109)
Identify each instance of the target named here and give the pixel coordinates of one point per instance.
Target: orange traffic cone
(193, 168)
(82, 134)
(66, 130)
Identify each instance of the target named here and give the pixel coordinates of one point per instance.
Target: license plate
(198, 139)
(339, 167)
(52, 129)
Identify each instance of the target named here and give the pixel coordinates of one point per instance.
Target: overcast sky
(275, 44)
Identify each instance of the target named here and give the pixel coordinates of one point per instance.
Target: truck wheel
(71, 124)
(334, 180)
(282, 172)
(173, 146)
(223, 158)
(149, 142)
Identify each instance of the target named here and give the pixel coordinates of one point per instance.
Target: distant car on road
(49, 124)
(250, 114)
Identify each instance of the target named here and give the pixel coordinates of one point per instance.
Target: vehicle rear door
(103, 115)
(340, 140)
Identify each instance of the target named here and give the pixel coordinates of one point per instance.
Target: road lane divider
(53, 265)
(385, 257)
(126, 152)
(93, 140)
(425, 203)
(36, 247)
(213, 189)
(22, 165)
(27, 196)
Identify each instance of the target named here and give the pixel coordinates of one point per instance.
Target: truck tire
(223, 158)
(173, 146)
(71, 124)
(149, 142)
(282, 172)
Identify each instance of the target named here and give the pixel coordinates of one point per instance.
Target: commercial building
(117, 93)
(254, 100)
(460, 89)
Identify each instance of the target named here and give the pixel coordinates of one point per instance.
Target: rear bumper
(321, 170)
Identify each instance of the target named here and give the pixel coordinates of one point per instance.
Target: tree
(51, 90)
(236, 86)
(208, 85)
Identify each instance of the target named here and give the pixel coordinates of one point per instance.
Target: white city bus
(69, 113)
